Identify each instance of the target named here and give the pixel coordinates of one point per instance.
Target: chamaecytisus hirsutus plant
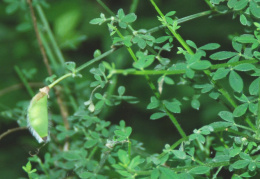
(88, 144)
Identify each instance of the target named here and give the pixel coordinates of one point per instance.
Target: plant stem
(95, 60)
(175, 72)
(173, 31)
(209, 4)
(106, 8)
(207, 72)
(82, 67)
(181, 20)
(50, 34)
(133, 6)
(23, 79)
(49, 52)
(173, 146)
(59, 80)
(129, 149)
(128, 48)
(157, 94)
(9, 131)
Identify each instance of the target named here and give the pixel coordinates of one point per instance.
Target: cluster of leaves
(93, 148)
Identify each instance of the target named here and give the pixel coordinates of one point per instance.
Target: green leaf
(179, 154)
(245, 156)
(96, 21)
(240, 110)
(220, 73)
(253, 107)
(237, 4)
(97, 53)
(157, 115)
(227, 116)
(70, 66)
(135, 162)
(71, 155)
(129, 18)
(168, 80)
(191, 43)
(252, 166)
(123, 156)
(121, 90)
(222, 55)
(195, 104)
(210, 46)
(69, 19)
(140, 42)
(50, 78)
(244, 67)
(85, 175)
(254, 87)
(90, 143)
(171, 13)
(173, 106)
(254, 9)
(199, 170)
(246, 38)
(200, 65)
(243, 19)
(167, 173)
(155, 174)
(162, 39)
(234, 152)
(28, 166)
(240, 164)
(154, 103)
(236, 81)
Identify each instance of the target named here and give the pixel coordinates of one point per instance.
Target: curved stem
(9, 131)
(82, 67)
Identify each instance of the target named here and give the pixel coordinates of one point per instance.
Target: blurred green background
(69, 21)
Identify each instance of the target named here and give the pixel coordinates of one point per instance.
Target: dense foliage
(129, 95)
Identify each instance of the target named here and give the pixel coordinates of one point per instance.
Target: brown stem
(9, 131)
(45, 59)
(18, 86)
(62, 107)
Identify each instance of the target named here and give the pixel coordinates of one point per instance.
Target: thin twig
(18, 86)
(9, 131)
(63, 109)
(45, 59)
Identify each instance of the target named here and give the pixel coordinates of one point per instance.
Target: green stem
(106, 8)
(133, 6)
(128, 48)
(181, 20)
(129, 149)
(59, 80)
(93, 151)
(175, 72)
(157, 94)
(23, 79)
(207, 72)
(50, 34)
(173, 31)
(209, 4)
(95, 60)
(173, 146)
(49, 52)
(82, 67)
(175, 122)
(216, 174)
